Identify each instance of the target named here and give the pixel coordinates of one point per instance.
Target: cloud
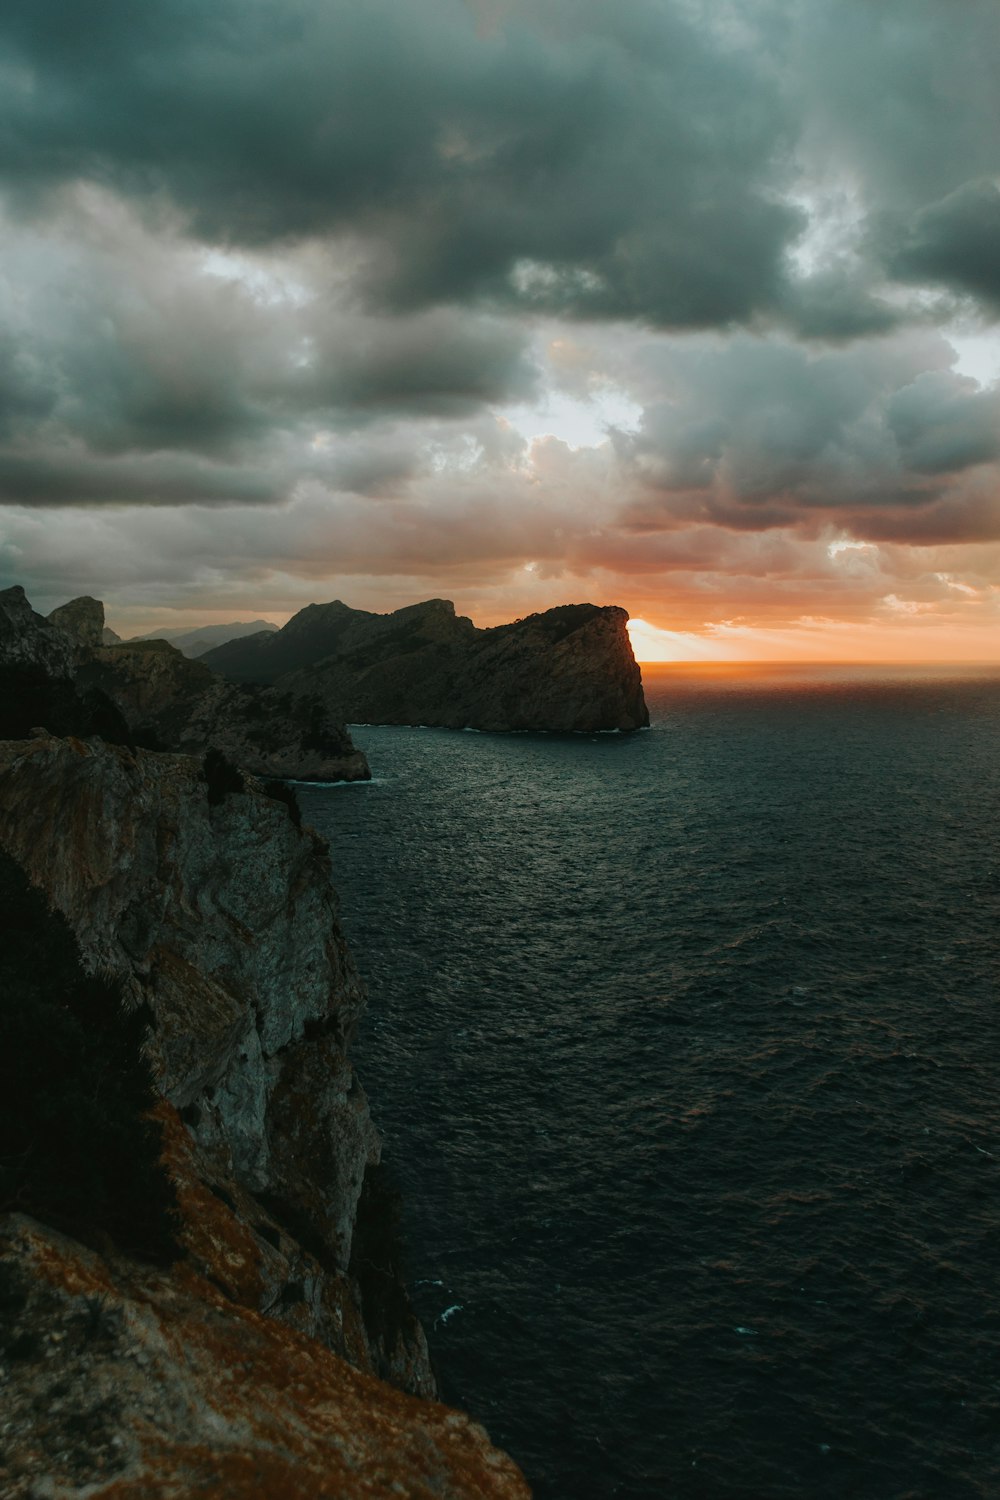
(650, 160)
(136, 365)
(576, 158)
(294, 293)
(763, 433)
(954, 242)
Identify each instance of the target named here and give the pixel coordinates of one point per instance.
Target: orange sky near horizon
(908, 639)
(927, 641)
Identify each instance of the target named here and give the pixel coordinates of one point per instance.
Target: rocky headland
(568, 669)
(202, 1295)
(168, 701)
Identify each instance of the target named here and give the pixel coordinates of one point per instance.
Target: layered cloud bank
(683, 305)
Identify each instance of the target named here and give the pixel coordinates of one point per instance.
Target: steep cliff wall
(218, 915)
(568, 669)
(221, 918)
(133, 1384)
(26, 639)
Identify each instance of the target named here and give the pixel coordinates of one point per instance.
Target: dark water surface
(686, 1046)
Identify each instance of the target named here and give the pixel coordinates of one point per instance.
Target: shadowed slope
(569, 668)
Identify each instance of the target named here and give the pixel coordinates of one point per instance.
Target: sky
(685, 305)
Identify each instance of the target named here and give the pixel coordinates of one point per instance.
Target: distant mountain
(195, 643)
(569, 668)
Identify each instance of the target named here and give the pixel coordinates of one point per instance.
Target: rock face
(38, 664)
(82, 620)
(168, 699)
(164, 699)
(28, 640)
(137, 1385)
(220, 917)
(248, 1367)
(569, 669)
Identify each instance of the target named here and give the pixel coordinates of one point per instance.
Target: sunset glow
(422, 342)
(821, 641)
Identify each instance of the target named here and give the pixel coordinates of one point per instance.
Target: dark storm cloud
(641, 160)
(903, 92)
(610, 160)
(648, 160)
(900, 99)
(943, 424)
(438, 363)
(118, 343)
(74, 477)
(837, 307)
(955, 243)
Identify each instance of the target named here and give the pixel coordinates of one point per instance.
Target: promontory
(567, 669)
(200, 1275)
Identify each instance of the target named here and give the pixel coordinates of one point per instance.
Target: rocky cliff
(28, 640)
(134, 1384)
(82, 620)
(247, 1367)
(568, 669)
(171, 700)
(149, 691)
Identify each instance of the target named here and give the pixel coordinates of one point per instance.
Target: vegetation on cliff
(77, 1146)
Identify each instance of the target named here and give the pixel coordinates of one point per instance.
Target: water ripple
(685, 1046)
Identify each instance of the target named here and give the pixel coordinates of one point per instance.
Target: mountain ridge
(569, 668)
(194, 643)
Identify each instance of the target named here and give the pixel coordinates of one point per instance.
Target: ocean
(685, 1047)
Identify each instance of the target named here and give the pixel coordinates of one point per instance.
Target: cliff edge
(248, 1356)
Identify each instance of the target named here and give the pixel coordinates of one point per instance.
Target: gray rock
(82, 620)
(221, 918)
(153, 1382)
(172, 702)
(27, 639)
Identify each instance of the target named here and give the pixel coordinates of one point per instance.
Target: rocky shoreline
(272, 1350)
(209, 1294)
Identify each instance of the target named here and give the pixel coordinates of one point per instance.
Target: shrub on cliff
(376, 1257)
(280, 791)
(222, 777)
(77, 1149)
(30, 699)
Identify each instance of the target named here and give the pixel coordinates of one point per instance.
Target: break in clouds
(676, 303)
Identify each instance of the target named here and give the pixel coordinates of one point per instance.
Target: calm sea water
(685, 1045)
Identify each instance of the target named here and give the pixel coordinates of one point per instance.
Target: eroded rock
(124, 1383)
(82, 620)
(171, 702)
(222, 919)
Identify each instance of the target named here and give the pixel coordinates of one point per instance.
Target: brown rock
(132, 1384)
